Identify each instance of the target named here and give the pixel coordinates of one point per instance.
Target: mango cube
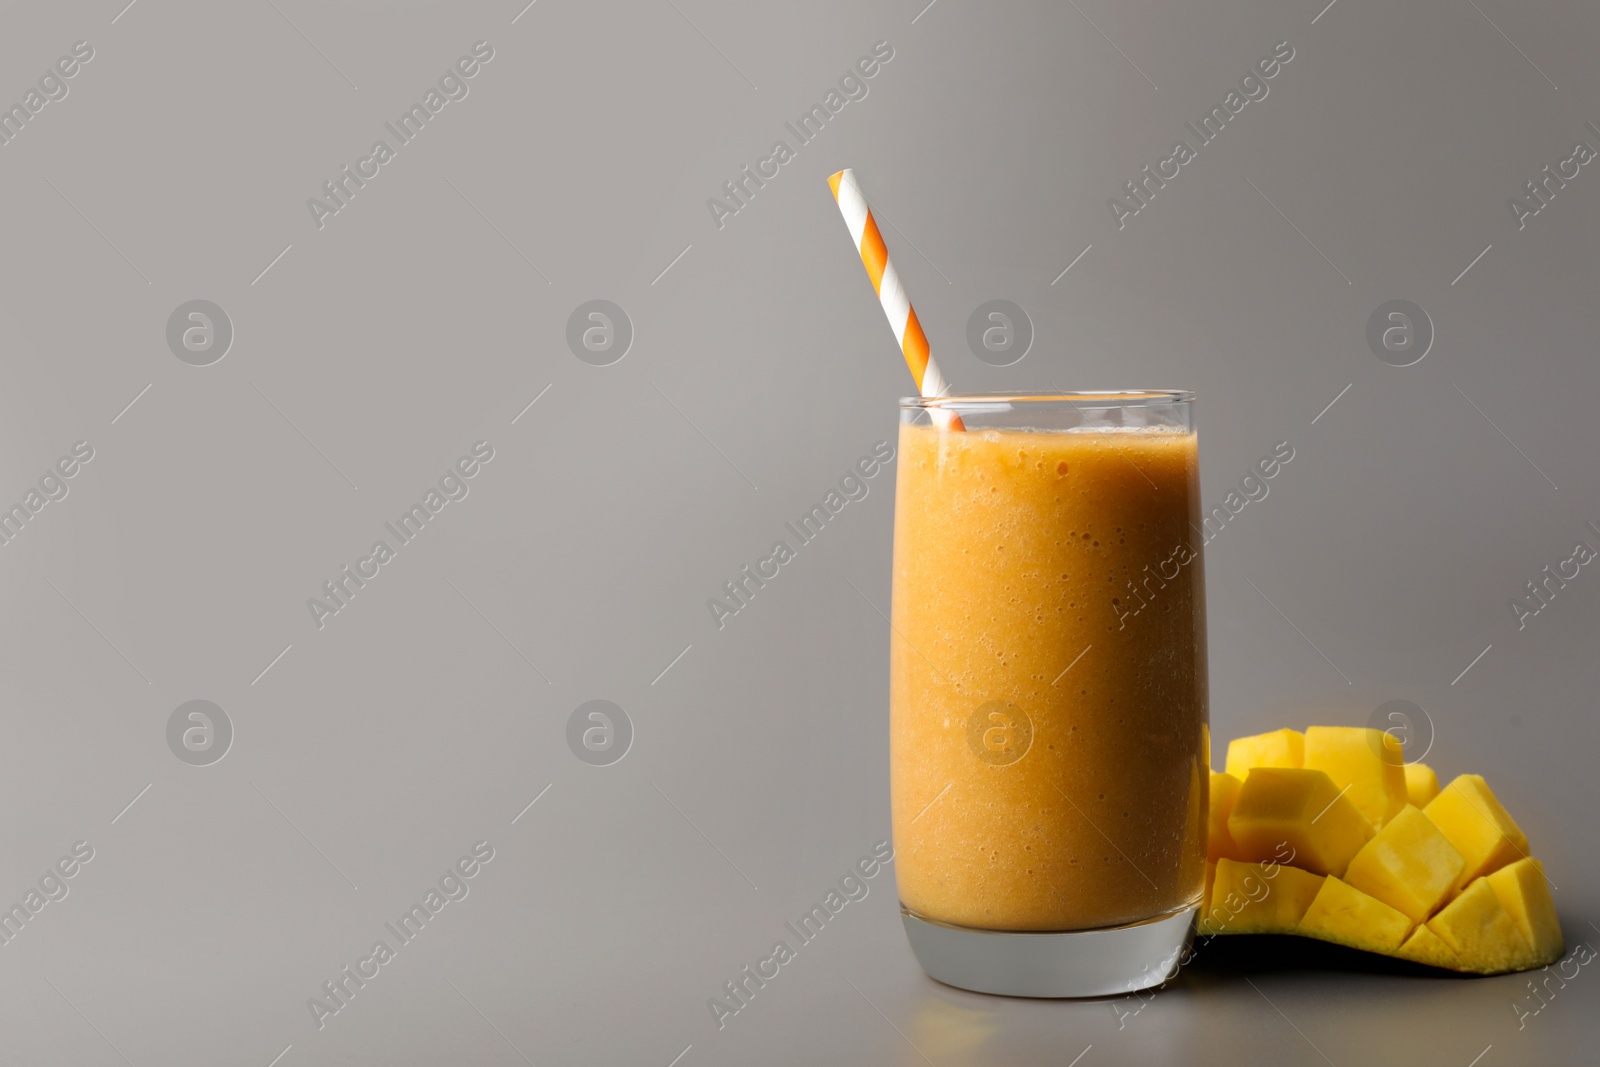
(1296, 816)
(1480, 931)
(1280, 748)
(1424, 946)
(1409, 865)
(1347, 916)
(1258, 898)
(1470, 816)
(1524, 893)
(1422, 785)
(1224, 788)
(1365, 761)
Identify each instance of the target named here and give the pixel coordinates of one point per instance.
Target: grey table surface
(348, 359)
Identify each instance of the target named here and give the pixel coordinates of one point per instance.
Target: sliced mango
(1468, 813)
(1524, 893)
(1224, 788)
(1422, 785)
(1366, 762)
(1280, 748)
(1347, 916)
(1482, 932)
(1410, 865)
(1424, 946)
(1299, 817)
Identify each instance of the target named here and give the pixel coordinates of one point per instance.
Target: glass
(1049, 745)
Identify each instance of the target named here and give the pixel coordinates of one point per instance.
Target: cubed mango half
(1409, 865)
(1280, 748)
(1472, 818)
(1366, 762)
(1298, 817)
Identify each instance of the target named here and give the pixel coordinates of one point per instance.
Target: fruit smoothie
(1048, 719)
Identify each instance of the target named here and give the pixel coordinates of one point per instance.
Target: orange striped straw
(891, 294)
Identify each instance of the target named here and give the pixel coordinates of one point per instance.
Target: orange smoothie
(1048, 719)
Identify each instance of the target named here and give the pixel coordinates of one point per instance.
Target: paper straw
(891, 294)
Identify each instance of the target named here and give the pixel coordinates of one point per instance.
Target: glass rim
(1098, 398)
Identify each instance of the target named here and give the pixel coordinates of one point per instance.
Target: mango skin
(1410, 865)
(1366, 762)
(1279, 748)
(1301, 809)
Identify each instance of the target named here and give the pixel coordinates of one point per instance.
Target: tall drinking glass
(1049, 746)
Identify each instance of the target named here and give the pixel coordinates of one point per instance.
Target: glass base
(1076, 963)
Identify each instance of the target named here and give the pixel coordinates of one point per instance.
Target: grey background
(431, 311)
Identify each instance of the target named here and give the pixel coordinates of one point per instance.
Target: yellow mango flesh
(1482, 933)
(1280, 748)
(1424, 946)
(1409, 865)
(1224, 789)
(1367, 763)
(1439, 877)
(1422, 785)
(1524, 892)
(1347, 916)
(1468, 813)
(1258, 898)
(1296, 816)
